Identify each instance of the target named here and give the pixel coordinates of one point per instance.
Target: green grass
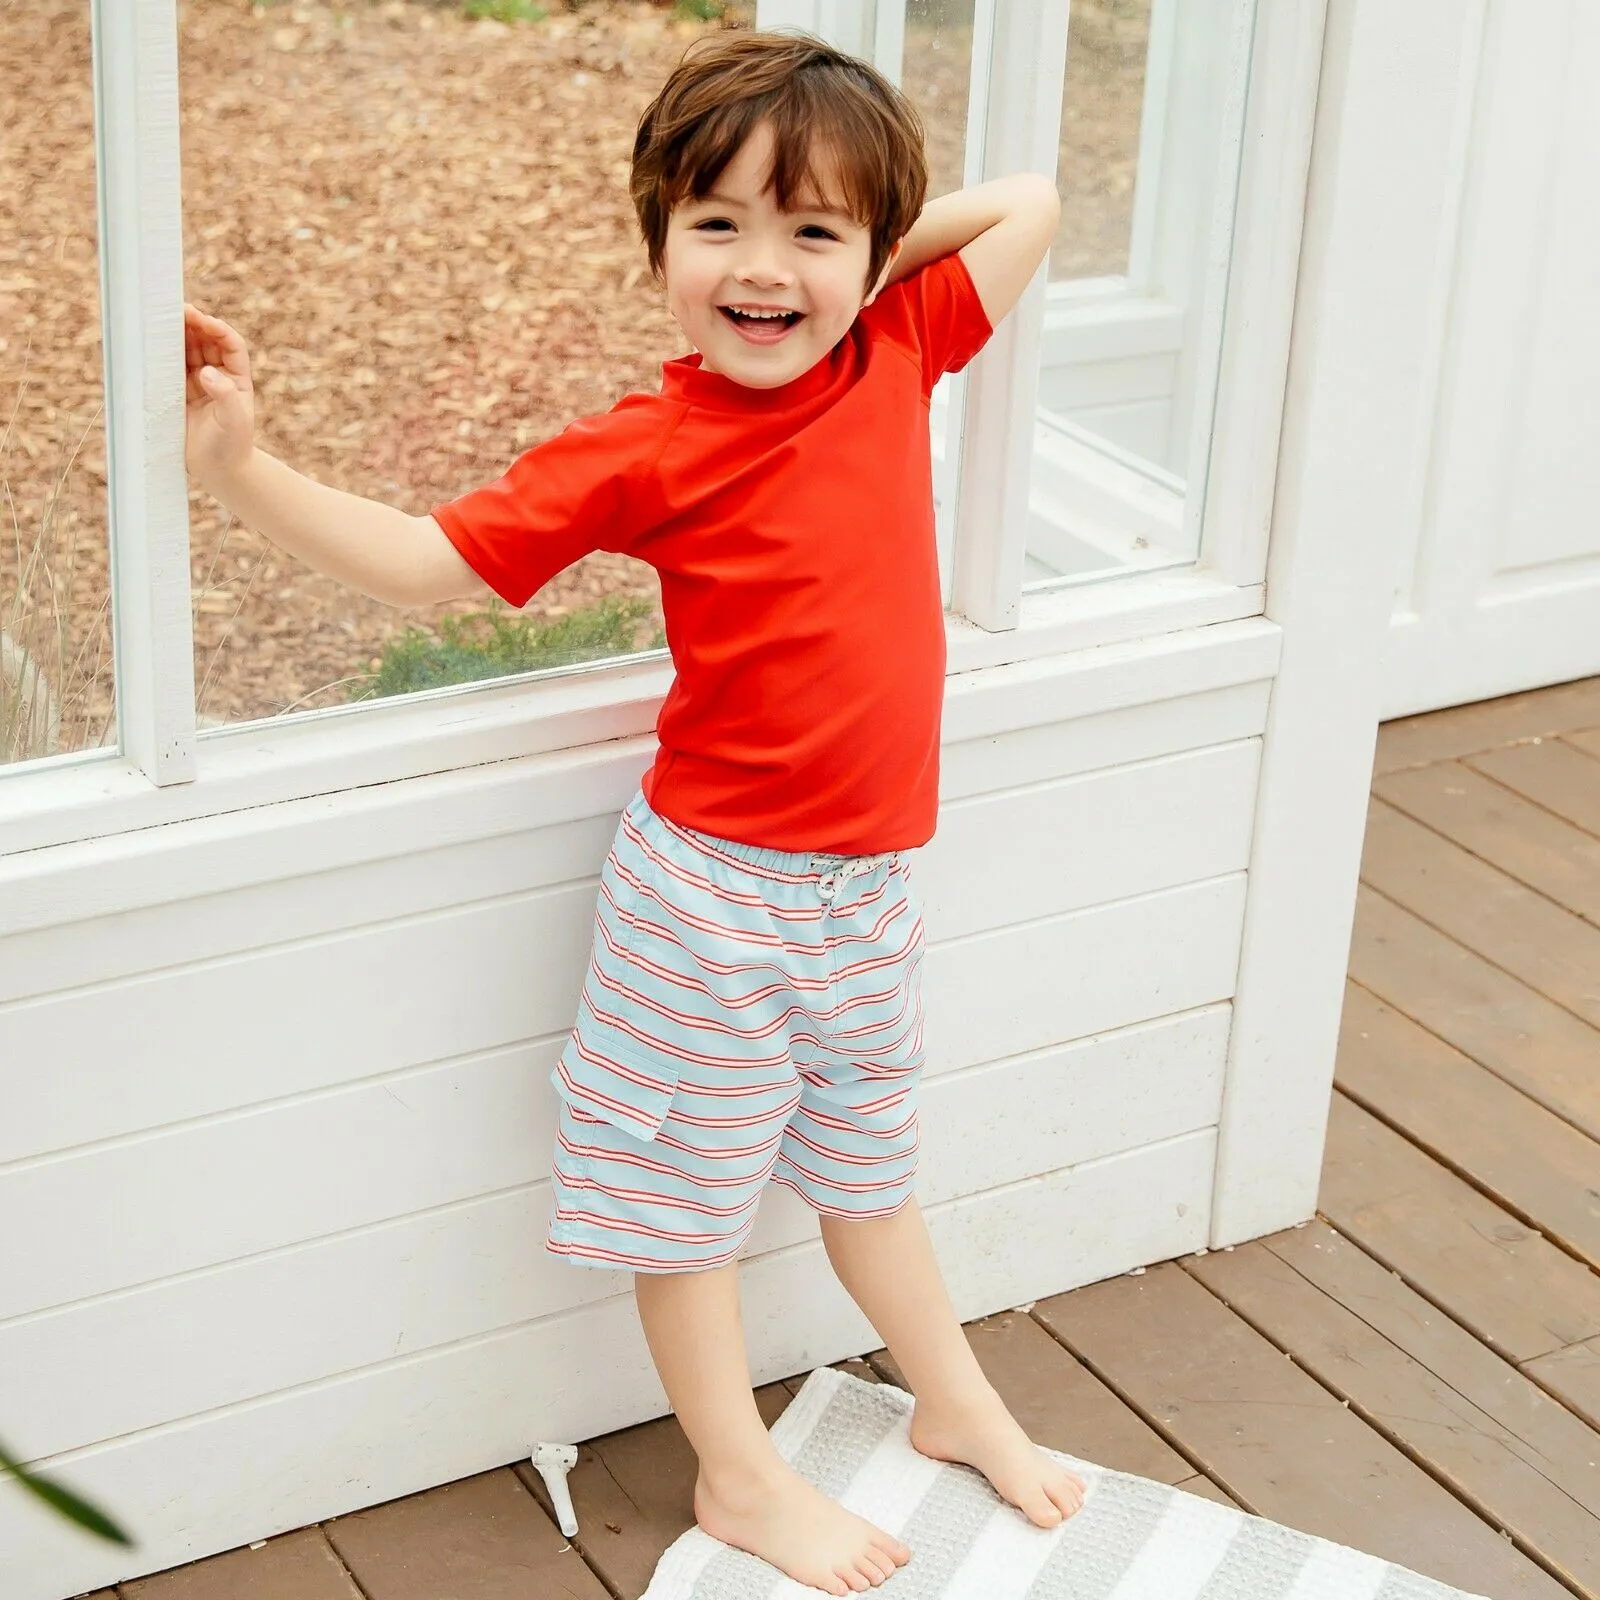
(494, 644)
(503, 11)
(698, 10)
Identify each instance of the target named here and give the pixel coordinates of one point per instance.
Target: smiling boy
(752, 1011)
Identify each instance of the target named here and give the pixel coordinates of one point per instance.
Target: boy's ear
(883, 277)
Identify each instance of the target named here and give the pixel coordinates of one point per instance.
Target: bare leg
(888, 1265)
(747, 1495)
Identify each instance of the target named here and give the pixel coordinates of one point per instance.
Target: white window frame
(164, 774)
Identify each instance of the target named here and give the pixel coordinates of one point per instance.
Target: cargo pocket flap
(607, 1072)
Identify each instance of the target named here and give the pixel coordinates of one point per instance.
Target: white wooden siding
(437, 1274)
(244, 1471)
(274, 1169)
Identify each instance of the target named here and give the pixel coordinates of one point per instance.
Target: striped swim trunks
(748, 1014)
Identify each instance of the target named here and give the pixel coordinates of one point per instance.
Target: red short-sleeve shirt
(792, 529)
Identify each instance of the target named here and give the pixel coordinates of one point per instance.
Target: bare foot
(981, 1433)
(777, 1515)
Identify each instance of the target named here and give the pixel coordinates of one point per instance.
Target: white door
(1498, 576)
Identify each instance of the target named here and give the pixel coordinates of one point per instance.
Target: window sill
(266, 763)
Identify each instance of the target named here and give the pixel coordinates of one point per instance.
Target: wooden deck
(1440, 1400)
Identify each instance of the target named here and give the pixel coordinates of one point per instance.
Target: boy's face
(734, 255)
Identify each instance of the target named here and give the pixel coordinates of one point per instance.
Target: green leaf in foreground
(64, 1501)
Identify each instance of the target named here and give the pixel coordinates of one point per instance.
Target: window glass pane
(417, 214)
(936, 75)
(1100, 136)
(55, 634)
(1149, 164)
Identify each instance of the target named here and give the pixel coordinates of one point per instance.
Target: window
(420, 222)
(55, 585)
(1152, 116)
(541, 309)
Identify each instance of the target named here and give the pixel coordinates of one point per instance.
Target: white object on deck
(553, 1462)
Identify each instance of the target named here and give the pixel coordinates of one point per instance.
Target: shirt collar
(686, 379)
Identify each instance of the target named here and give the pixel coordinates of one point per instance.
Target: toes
(1067, 1493)
(1041, 1510)
(876, 1568)
(890, 1550)
(1066, 1500)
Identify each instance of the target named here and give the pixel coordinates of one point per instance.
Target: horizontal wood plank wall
(274, 1163)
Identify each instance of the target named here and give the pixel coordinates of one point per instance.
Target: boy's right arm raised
(375, 548)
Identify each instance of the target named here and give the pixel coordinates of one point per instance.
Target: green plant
(492, 644)
(502, 11)
(698, 10)
(64, 1502)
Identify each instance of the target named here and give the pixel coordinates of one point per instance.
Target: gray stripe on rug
(852, 1425)
(942, 1529)
(1098, 1545)
(1398, 1584)
(1261, 1563)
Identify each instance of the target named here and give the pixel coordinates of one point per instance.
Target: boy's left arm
(1002, 229)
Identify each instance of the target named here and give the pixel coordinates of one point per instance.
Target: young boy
(752, 1009)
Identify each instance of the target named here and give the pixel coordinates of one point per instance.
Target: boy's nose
(764, 268)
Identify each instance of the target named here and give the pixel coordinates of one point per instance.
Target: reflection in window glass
(1132, 328)
(935, 75)
(1106, 49)
(419, 221)
(56, 691)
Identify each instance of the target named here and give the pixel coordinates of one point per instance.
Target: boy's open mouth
(760, 327)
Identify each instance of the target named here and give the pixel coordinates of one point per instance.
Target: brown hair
(819, 103)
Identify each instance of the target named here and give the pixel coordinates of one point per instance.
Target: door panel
(1500, 583)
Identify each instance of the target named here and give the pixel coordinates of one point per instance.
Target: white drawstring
(831, 881)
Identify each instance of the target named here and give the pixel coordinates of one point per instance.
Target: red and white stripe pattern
(736, 1025)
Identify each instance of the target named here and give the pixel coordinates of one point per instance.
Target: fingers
(209, 342)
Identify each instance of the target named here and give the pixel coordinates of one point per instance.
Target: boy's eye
(815, 231)
(716, 223)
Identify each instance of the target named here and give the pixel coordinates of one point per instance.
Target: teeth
(761, 316)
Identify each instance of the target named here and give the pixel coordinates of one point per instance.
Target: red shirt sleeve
(578, 492)
(937, 315)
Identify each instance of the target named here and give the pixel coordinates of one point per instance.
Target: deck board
(1513, 926)
(1207, 1490)
(1554, 773)
(1525, 1159)
(1573, 1375)
(1502, 1279)
(1525, 841)
(1276, 1440)
(485, 1536)
(294, 1566)
(1465, 730)
(1509, 1480)
(1561, 1445)
(1537, 1046)
(1586, 740)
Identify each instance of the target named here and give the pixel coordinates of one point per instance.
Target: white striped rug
(1133, 1539)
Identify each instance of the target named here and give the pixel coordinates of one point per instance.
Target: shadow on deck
(1440, 1400)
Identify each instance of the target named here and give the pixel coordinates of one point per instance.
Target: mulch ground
(420, 223)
